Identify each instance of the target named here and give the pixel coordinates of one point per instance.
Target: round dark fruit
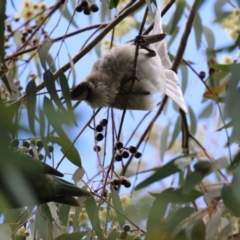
(202, 75)
(87, 11)
(126, 228)
(132, 149)
(79, 8)
(125, 154)
(94, 7)
(99, 128)
(30, 152)
(118, 157)
(104, 122)
(137, 155)
(26, 144)
(15, 143)
(50, 148)
(84, 3)
(99, 137)
(40, 156)
(119, 145)
(115, 181)
(97, 148)
(39, 143)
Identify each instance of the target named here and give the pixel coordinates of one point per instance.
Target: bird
(26, 181)
(110, 79)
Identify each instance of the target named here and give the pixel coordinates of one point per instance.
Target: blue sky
(193, 93)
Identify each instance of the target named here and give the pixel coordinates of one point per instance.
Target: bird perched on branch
(110, 80)
(25, 181)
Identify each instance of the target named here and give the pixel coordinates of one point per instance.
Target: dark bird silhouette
(26, 181)
(108, 84)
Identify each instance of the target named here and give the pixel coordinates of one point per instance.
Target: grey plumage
(109, 81)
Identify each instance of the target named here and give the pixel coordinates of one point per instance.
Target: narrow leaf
(49, 82)
(72, 153)
(43, 53)
(198, 29)
(191, 181)
(2, 29)
(162, 172)
(92, 212)
(193, 127)
(72, 236)
(176, 132)
(177, 15)
(31, 91)
(118, 205)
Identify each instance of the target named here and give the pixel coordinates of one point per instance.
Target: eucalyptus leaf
(31, 96)
(92, 212)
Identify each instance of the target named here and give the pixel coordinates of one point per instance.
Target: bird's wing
(172, 83)
(160, 46)
(173, 90)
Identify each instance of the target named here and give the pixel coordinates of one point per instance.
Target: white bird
(108, 84)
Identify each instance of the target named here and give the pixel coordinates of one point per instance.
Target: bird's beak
(81, 91)
(149, 39)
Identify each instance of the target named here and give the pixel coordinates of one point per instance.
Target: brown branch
(91, 45)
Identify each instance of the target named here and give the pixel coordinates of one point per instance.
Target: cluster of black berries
(99, 136)
(84, 6)
(26, 147)
(125, 152)
(116, 182)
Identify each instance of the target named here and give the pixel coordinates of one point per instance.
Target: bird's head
(98, 90)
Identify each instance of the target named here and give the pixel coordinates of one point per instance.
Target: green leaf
(161, 173)
(230, 200)
(72, 154)
(156, 213)
(31, 96)
(44, 222)
(149, 5)
(219, 14)
(72, 236)
(113, 4)
(43, 53)
(49, 82)
(232, 105)
(164, 141)
(5, 230)
(213, 223)
(209, 37)
(176, 16)
(172, 195)
(92, 212)
(64, 213)
(67, 96)
(114, 234)
(42, 131)
(235, 161)
(191, 181)
(178, 216)
(118, 205)
(198, 29)
(66, 13)
(184, 72)
(5, 81)
(176, 132)
(206, 112)
(193, 127)
(2, 29)
(227, 125)
(198, 230)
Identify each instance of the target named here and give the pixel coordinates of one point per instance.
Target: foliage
(188, 191)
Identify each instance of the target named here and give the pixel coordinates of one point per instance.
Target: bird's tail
(172, 83)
